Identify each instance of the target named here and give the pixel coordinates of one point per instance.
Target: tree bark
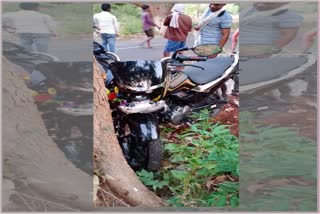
(30, 155)
(108, 157)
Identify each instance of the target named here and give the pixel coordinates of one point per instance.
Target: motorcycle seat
(265, 69)
(213, 69)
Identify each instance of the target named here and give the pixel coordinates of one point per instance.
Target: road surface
(129, 49)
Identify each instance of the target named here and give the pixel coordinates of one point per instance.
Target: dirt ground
(300, 114)
(230, 115)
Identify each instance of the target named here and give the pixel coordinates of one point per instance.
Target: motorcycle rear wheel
(154, 155)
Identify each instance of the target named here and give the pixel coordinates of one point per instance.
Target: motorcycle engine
(177, 114)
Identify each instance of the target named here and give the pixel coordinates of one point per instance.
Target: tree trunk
(29, 154)
(108, 157)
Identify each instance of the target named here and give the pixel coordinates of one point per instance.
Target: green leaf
(229, 187)
(175, 201)
(179, 174)
(177, 159)
(195, 142)
(222, 201)
(145, 174)
(166, 176)
(168, 130)
(195, 162)
(234, 201)
(172, 147)
(185, 135)
(161, 184)
(213, 156)
(204, 172)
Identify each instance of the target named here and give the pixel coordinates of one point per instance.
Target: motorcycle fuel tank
(138, 76)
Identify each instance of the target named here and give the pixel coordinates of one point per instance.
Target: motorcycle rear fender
(144, 127)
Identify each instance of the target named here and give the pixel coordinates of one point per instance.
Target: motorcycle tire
(154, 155)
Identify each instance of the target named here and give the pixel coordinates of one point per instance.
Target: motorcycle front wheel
(154, 155)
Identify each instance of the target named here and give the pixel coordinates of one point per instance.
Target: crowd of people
(213, 27)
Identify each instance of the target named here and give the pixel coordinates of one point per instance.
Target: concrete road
(71, 50)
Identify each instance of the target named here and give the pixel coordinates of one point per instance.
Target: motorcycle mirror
(206, 49)
(177, 51)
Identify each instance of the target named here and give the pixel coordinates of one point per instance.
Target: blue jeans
(35, 42)
(108, 41)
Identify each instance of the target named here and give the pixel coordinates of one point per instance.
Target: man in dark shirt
(148, 24)
(178, 26)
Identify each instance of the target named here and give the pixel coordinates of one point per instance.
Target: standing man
(148, 24)
(214, 26)
(107, 25)
(33, 28)
(266, 28)
(178, 26)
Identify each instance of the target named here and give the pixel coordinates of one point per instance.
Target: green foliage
(205, 150)
(148, 178)
(270, 157)
(271, 154)
(233, 8)
(130, 25)
(195, 10)
(121, 10)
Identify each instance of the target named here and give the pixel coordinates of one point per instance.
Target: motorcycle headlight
(140, 85)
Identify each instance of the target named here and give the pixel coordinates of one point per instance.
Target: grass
(201, 168)
(278, 166)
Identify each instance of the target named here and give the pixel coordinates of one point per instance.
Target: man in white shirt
(33, 27)
(107, 25)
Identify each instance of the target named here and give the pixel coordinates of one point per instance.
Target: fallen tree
(108, 157)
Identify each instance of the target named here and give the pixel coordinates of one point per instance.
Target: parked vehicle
(195, 86)
(27, 60)
(134, 89)
(143, 92)
(62, 92)
(286, 67)
(64, 98)
(280, 76)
